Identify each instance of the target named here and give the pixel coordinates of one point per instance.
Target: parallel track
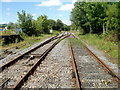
(75, 71)
(33, 68)
(105, 67)
(15, 59)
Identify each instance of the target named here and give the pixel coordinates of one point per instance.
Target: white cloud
(66, 7)
(31, 0)
(60, 15)
(73, 1)
(50, 3)
(8, 9)
(33, 14)
(2, 22)
(7, 0)
(66, 22)
(8, 14)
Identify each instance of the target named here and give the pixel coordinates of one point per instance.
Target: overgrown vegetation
(97, 18)
(98, 24)
(97, 41)
(28, 41)
(8, 32)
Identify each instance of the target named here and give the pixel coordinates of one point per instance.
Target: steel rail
(4, 82)
(75, 71)
(15, 59)
(105, 66)
(33, 68)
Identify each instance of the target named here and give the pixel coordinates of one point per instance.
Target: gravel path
(91, 74)
(55, 71)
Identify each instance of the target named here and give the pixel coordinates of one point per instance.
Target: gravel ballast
(20, 68)
(91, 74)
(55, 71)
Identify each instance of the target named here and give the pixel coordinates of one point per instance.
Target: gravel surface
(18, 70)
(12, 54)
(55, 71)
(91, 74)
(6, 53)
(103, 58)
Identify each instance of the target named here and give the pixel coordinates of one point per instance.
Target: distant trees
(41, 25)
(52, 24)
(95, 17)
(11, 25)
(59, 24)
(25, 22)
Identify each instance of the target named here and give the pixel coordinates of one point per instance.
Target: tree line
(39, 26)
(96, 17)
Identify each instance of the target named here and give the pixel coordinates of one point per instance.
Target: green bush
(110, 36)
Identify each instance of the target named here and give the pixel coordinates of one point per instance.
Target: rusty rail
(15, 59)
(75, 71)
(105, 66)
(33, 68)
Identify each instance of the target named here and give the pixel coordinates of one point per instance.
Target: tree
(52, 24)
(97, 17)
(79, 18)
(42, 25)
(112, 17)
(25, 22)
(11, 25)
(59, 25)
(89, 16)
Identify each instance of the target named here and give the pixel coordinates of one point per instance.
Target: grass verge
(110, 48)
(28, 41)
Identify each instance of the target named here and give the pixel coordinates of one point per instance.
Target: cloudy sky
(54, 9)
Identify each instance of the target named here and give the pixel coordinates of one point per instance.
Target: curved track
(88, 71)
(18, 69)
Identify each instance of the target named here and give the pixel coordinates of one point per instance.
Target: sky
(54, 9)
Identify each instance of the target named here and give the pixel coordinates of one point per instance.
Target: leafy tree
(97, 17)
(89, 16)
(59, 25)
(78, 16)
(52, 24)
(112, 17)
(11, 25)
(42, 25)
(66, 27)
(25, 21)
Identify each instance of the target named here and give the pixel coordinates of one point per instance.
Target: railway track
(90, 71)
(38, 68)
(24, 52)
(21, 67)
(54, 71)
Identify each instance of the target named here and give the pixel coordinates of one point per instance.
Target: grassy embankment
(28, 41)
(109, 48)
(8, 32)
